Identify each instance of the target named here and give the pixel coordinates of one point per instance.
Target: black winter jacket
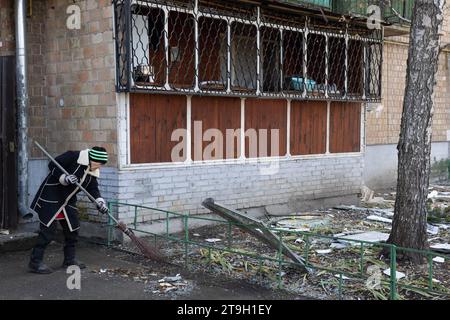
(53, 196)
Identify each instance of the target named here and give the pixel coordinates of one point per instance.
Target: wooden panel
(345, 127)
(153, 118)
(308, 127)
(215, 113)
(266, 114)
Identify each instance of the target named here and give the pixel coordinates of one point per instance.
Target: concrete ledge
(99, 231)
(18, 242)
(322, 203)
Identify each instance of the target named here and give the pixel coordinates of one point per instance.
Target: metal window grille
(234, 49)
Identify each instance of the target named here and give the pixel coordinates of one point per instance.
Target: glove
(68, 179)
(101, 206)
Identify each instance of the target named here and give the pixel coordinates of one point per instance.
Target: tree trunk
(414, 147)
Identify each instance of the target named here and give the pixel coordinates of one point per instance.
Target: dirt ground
(322, 284)
(115, 275)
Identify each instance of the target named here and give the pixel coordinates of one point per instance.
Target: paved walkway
(17, 283)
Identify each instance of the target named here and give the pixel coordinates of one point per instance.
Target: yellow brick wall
(383, 123)
(71, 77)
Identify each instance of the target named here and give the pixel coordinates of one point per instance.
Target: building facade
(253, 104)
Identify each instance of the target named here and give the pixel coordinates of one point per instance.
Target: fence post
(430, 272)
(280, 255)
(186, 240)
(393, 272)
(167, 224)
(361, 263)
(135, 217)
(306, 249)
(229, 234)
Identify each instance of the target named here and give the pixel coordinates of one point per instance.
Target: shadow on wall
(37, 171)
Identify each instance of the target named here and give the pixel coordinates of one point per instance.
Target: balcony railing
(216, 48)
(404, 8)
(320, 3)
(360, 7)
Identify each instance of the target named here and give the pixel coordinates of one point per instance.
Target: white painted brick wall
(182, 189)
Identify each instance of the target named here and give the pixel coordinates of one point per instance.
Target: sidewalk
(17, 283)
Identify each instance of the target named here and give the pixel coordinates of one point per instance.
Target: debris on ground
(248, 257)
(171, 279)
(170, 284)
(441, 247)
(438, 204)
(379, 219)
(262, 232)
(214, 240)
(325, 251)
(399, 275)
(371, 236)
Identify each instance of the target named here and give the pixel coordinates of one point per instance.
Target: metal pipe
(22, 108)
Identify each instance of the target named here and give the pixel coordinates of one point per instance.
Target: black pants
(47, 234)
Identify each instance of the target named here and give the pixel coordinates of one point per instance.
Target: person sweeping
(56, 200)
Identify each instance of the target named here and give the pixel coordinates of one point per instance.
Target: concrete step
(17, 241)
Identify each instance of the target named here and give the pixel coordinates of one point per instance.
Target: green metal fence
(359, 274)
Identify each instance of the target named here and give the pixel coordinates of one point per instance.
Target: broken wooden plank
(259, 230)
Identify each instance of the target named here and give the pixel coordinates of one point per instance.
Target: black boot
(69, 258)
(36, 265)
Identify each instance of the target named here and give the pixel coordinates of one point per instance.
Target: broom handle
(77, 183)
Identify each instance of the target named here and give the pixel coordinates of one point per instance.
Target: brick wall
(383, 125)
(7, 39)
(37, 86)
(72, 98)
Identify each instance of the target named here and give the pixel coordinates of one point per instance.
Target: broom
(148, 251)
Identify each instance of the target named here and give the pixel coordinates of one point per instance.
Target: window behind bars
(219, 49)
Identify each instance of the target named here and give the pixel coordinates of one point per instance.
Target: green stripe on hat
(99, 153)
(98, 157)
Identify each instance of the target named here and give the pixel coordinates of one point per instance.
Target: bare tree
(414, 147)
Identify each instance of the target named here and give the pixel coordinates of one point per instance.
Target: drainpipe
(22, 108)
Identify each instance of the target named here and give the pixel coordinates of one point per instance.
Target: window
(225, 51)
(213, 54)
(270, 60)
(243, 57)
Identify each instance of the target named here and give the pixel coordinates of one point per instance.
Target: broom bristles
(149, 252)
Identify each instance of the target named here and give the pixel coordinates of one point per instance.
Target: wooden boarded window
(153, 118)
(262, 114)
(345, 127)
(215, 113)
(308, 128)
